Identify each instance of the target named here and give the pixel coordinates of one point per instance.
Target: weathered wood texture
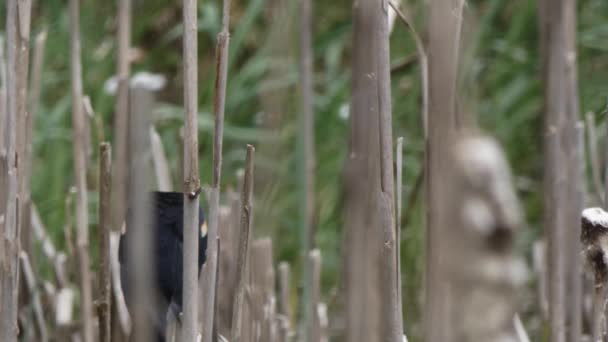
(191, 185)
(481, 267)
(105, 225)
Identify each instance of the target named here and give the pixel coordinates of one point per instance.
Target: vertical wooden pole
(105, 226)
(209, 278)
(442, 123)
(308, 143)
(121, 116)
(80, 170)
(246, 222)
(140, 267)
(191, 184)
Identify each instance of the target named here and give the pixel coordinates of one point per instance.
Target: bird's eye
(204, 229)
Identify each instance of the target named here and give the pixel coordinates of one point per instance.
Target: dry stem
(105, 226)
(209, 278)
(191, 175)
(80, 169)
(244, 240)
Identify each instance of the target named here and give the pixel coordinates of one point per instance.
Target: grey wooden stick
(105, 225)
(244, 240)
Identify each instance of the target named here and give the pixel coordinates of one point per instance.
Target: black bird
(167, 253)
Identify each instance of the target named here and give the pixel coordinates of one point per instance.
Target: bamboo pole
(246, 222)
(30, 282)
(399, 190)
(121, 116)
(191, 183)
(140, 266)
(389, 277)
(284, 307)
(314, 262)
(308, 141)
(3, 99)
(23, 119)
(442, 124)
(80, 170)
(105, 225)
(29, 124)
(561, 116)
(229, 221)
(209, 277)
(9, 171)
(161, 165)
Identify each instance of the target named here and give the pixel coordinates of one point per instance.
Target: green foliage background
(500, 85)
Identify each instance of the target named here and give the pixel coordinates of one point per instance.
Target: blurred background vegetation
(499, 83)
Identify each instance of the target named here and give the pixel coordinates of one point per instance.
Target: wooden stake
(399, 190)
(191, 185)
(17, 37)
(209, 277)
(140, 252)
(442, 124)
(121, 116)
(105, 226)
(284, 307)
(244, 239)
(161, 165)
(308, 140)
(80, 170)
(30, 282)
(314, 262)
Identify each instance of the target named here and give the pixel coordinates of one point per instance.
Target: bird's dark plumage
(167, 235)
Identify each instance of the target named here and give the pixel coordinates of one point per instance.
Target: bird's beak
(204, 229)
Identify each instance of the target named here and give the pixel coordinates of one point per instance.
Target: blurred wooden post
(228, 235)
(370, 254)
(577, 199)
(307, 133)
(209, 277)
(576, 163)
(105, 226)
(23, 119)
(246, 222)
(17, 35)
(399, 190)
(161, 165)
(314, 263)
(3, 97)
(80, 170)
(139, 221)
(29, 124)
(481, 266)
(263, 296)
(30, 283)
(284, 307)
(121, 116)
(191, 185)
(442, 124)
(562, 197)
(121, 322)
